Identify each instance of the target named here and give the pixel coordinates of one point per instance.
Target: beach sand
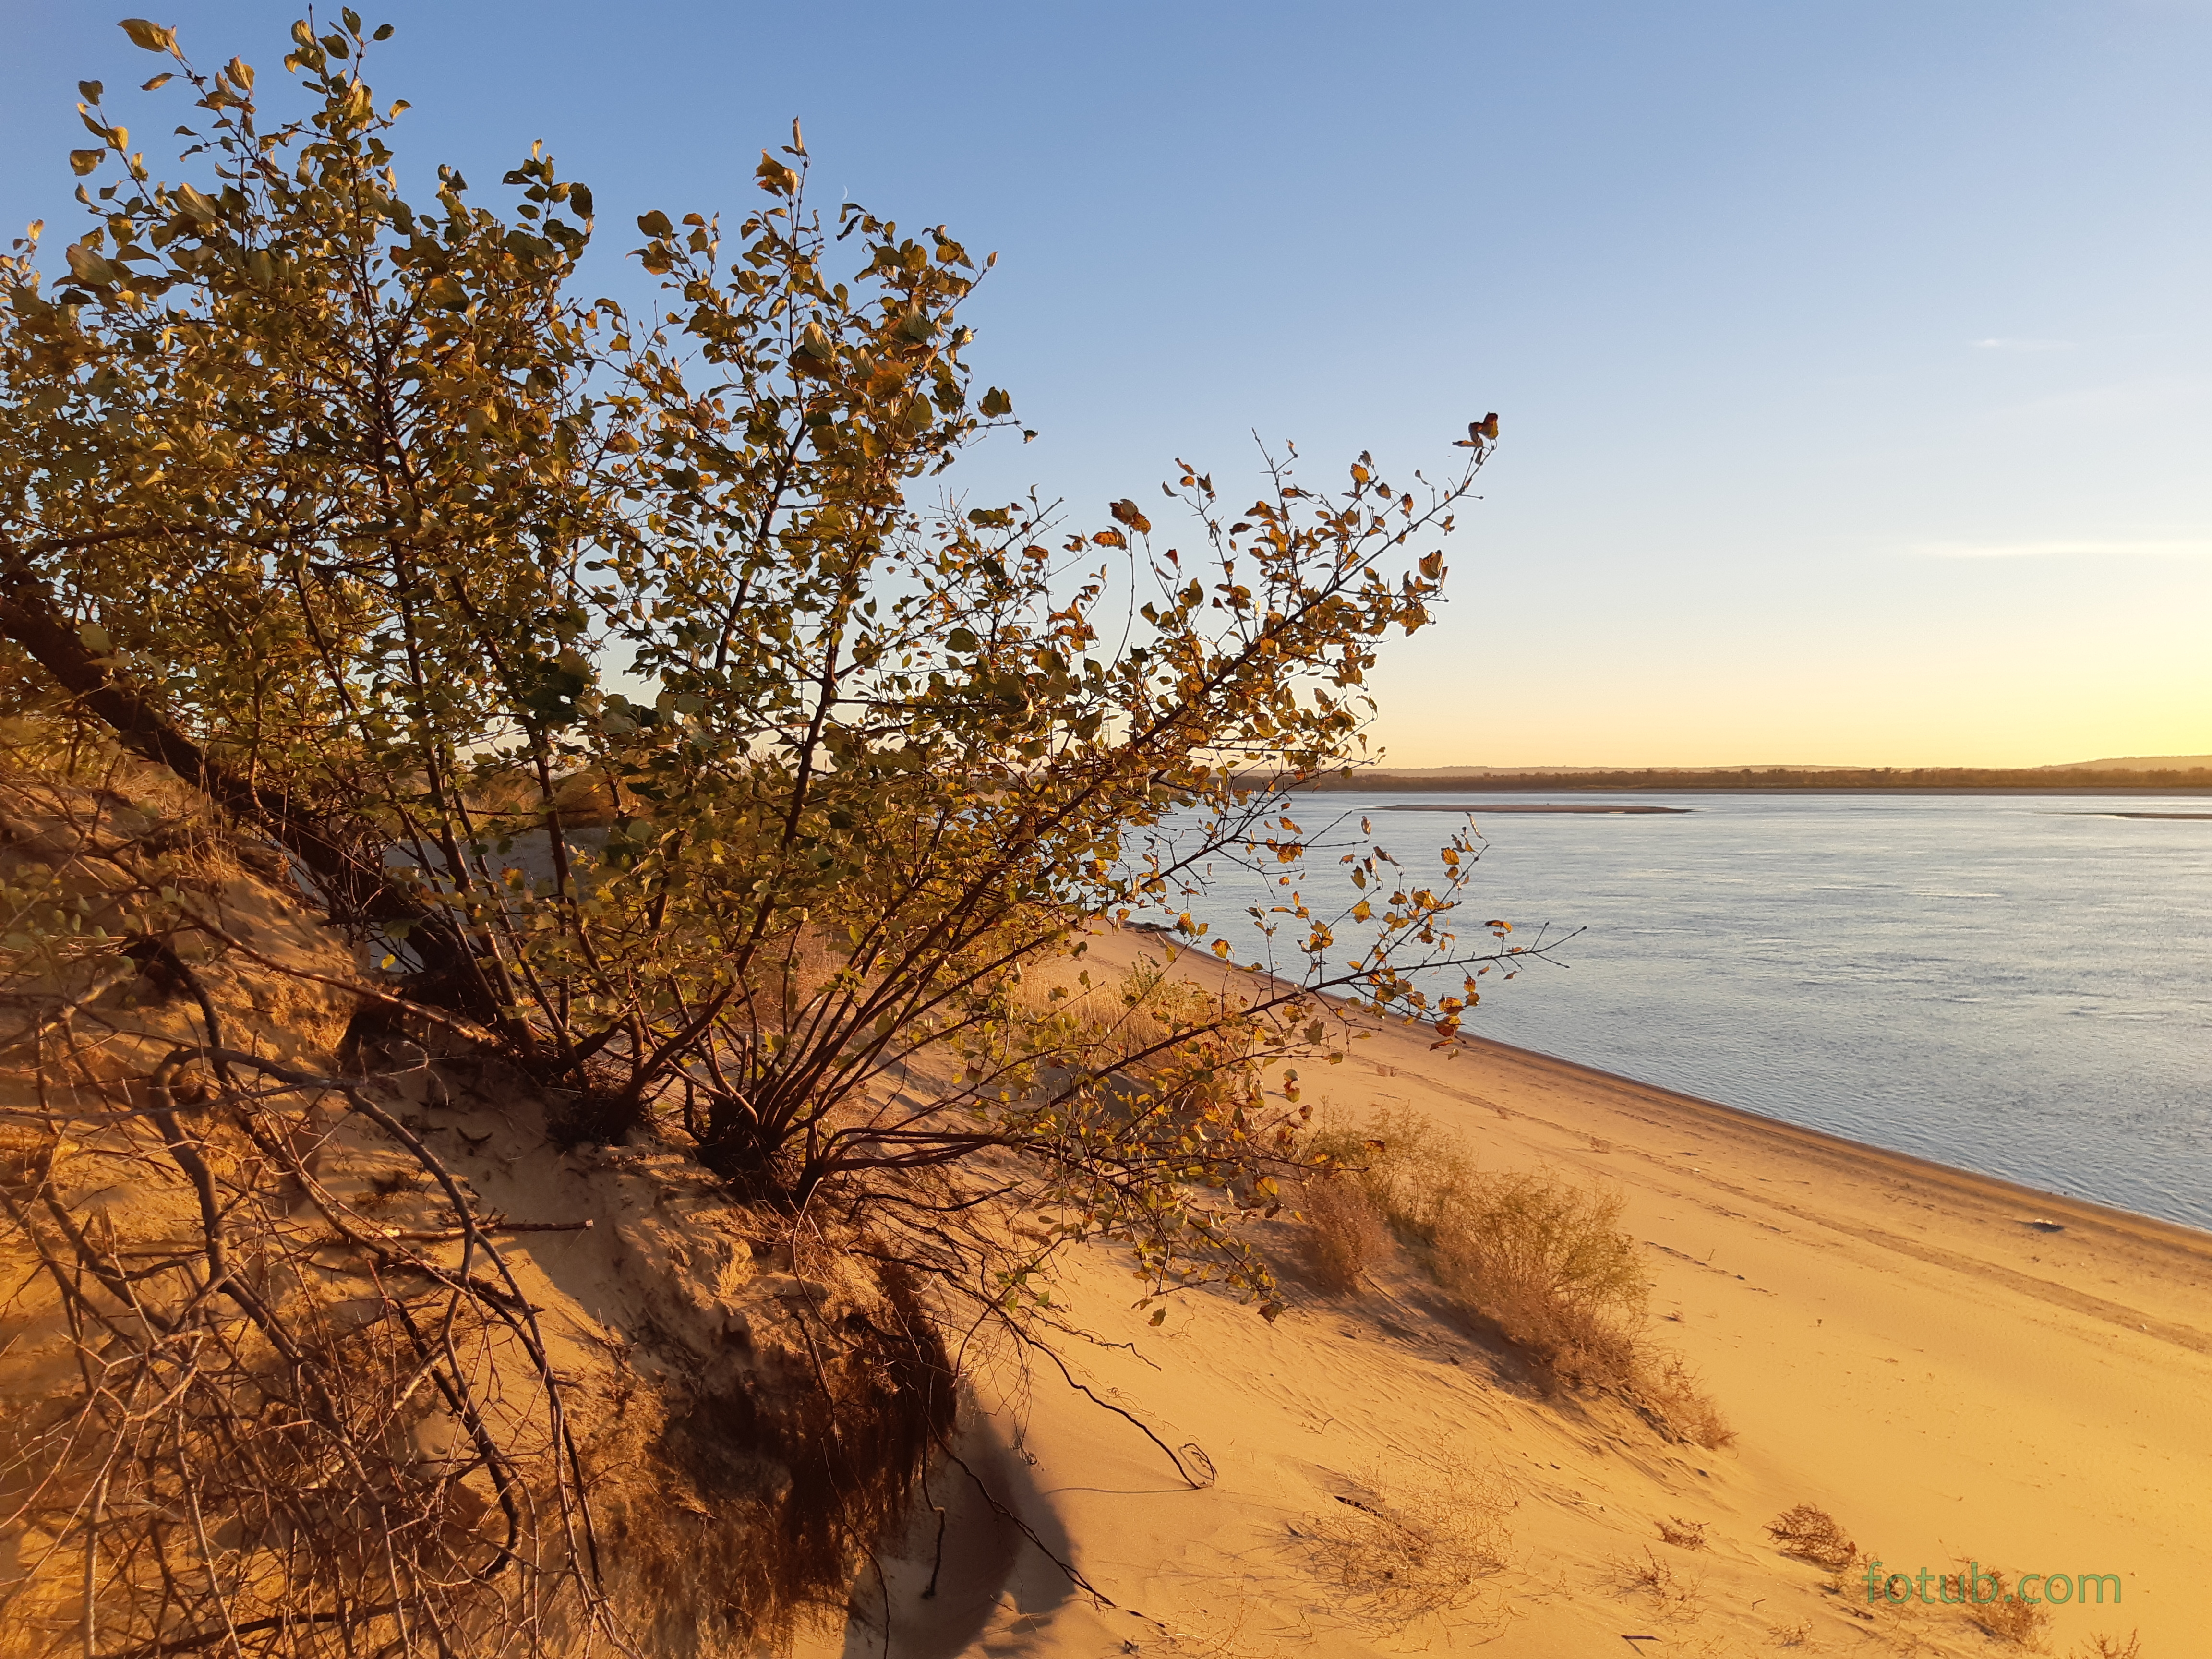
(1955, 1367)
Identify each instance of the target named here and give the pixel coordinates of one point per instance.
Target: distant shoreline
(1590, 807)
(2196, 780)
(1496, 786)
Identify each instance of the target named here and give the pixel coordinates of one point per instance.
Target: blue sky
(1855, 362)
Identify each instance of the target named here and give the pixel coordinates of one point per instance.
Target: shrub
(1665, 1385)
(2007, 1618)
(1414, 1173)
(883, 757)
(1812, 1535)
(1676, 1598)
(1345, 1231)
(1540, 1256)
(1397, 1556)
(1545, 1260)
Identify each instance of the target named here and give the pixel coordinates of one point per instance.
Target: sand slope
(1894, 1341)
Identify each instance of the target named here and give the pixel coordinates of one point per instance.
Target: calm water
(2022, 986)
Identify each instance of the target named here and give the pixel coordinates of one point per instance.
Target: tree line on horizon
(2036, 779)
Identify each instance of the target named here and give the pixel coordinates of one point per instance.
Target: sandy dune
(1955, 1367)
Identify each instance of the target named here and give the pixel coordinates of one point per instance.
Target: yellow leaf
(775, 179)
(151, 36)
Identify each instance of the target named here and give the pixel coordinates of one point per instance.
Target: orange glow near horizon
(2142, 692)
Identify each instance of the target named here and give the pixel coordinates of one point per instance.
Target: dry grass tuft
(1676, 1597)
(2006, 1616)
(2102, 1646)
(1547, 1261)
(1345, 1232)
(1682, 1535)
(1540, 1256)
(1665, 1384)
(1397, 1557)
(1793, 1636)
(1812, 1535)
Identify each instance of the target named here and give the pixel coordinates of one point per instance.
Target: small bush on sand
(1682, 1535)
(1345, 1233)
(1397, 1556)
(1540, 1256)
(1546, 1260)
(1665, 1385)
(1812, 1535)
(1414, 1173)
(2111, 1647)
(2004, 1615)
(1675, 1597)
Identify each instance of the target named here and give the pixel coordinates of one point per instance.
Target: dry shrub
(1665, 1386)
(2004, 1616)
(2102, 1646)
(1793, 1636)
(1683, 1534)
(1345, 1233)
(1546, 1262)
(1540, 1256)
(1399, 1556)
(1676, 1598)
(1812, 1535)
(1414, 1173)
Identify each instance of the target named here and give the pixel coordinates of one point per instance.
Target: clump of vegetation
(884, 763)
(1668, 1384)
(1546, 1260)
(1345, 1233)
(2001, 1615)
(352, 514)
(2102, 1646)
(1538, 1256)
(1674, 1597)
(1811, 1534)
(1397, 1555)
(1683, 1534)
